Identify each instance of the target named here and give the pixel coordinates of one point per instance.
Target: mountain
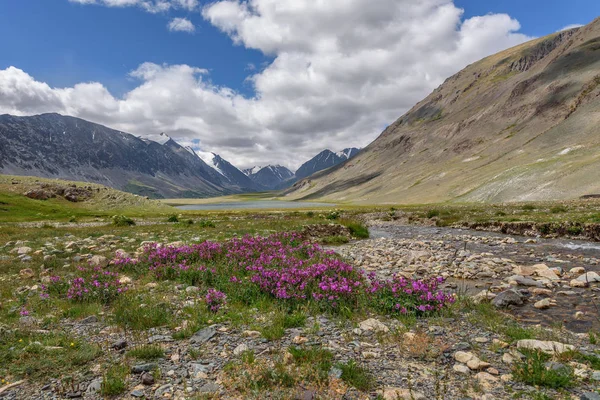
(323, 160)
(516, 126)
(228, 171)
(56, 146)
(269, 177)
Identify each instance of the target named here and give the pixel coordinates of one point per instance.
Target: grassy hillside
(521, 125)
(103, 202)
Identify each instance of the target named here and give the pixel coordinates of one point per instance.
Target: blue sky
(269, 81)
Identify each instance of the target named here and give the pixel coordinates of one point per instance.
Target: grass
(532, 371)
(113, 381)
(335, 240)
(357, 229)
(137, 313)
(147, 352)
(356, 376)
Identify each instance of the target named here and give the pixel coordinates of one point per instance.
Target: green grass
(134, 312)
(147, 352)
(357, 229)
(356, 376)
(113, 382)
(532, 371)
(335, 240)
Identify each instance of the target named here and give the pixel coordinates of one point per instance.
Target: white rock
(401, 394)
(545, 346)
(240, 349)
(589, 277)
(461, 369)
(374, 325)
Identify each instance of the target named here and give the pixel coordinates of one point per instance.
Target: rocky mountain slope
(269, 177)
(521, 125)
(323, 160)
(56, 146)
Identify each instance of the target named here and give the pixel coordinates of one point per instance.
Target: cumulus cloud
(568, 27)
(181, 25)
(152, 6)
(342, 70)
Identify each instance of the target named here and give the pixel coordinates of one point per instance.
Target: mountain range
(56, 146)
(520, 125)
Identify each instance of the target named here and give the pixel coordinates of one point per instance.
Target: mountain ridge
(516, 126)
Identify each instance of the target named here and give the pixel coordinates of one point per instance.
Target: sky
(256, 81)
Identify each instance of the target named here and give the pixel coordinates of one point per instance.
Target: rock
(39, 194)
(92, 319)
(119, 344)
(125, 280)
(373, 325)
(507, 359)
(137, 393)
(210, 387)
(472, 361)
(521, 280)
(578, 284)
(161, 391)
(483, 296)
(577, 271)
(22, 250)
(147, 379)
(192, 289)
(203, 335)
(545, 346)
(461, 369)
(401, 394)
(147, 367)
(299, 340)
(590, 277)
(335, 373)
(251, 334)
(94, 387)
(590, 396)
(541, 292)
(98, 261)
(463, 356)
(544, 304)
(26, 273)
(240, 349)
(507, 298)
(596, 376)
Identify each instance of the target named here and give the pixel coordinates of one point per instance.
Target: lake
(255, 205)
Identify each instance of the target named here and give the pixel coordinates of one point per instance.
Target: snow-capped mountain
(231, 173)
(323, 160)
(269, 177)
(57, 146)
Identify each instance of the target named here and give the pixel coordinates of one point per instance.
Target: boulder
(507, 298)
(548, 347)
(373, 325)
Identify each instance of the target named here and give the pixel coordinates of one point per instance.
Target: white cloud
(181, 25)
(568, 27)
(152, 6)
(342, 71)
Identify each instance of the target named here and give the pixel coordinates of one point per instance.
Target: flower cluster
(92, 284)
(215, 300)
(405, 295)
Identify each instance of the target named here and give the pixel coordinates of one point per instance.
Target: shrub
(173, 218)
(215, 300)
(532, 370)
(558, 209)
(528, 207)
(335, 240)
(207, 224)
(333, 215)
(147, 352)
(433, 213)
(121, 220)
(357, 229)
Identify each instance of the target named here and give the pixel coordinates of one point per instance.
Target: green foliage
(132, 312)
(276, 377)
(173, 218)
(147, 352)
(358, 229)
(432, 214)
(532, 371)
(356, 376)
(333, 215)
(206, 224)
(335, 240)
(122, 220)
(528, 207)
(317, 359)
(113, 382)
(558, 209)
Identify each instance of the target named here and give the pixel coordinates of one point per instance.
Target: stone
(578, 284)
(94, 387)
(240, 349)
(119, 344)
(544, 304)
(137, 393)
(548, 347)
(22, 250)
(541, 292)
(92, 319)
(507, 298)
(523, 281)
(125, 280)
(401, 394)
(203, 335)
(161, 391)
(147, 367)
(26, 273)
(577, 271)
(210, 387)
(507, 358)
(590, 396)
(251, 334)
(373, 325)
(147, 379)
(98, 261)
(590, 277)
(461, 369)
(299, 340)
